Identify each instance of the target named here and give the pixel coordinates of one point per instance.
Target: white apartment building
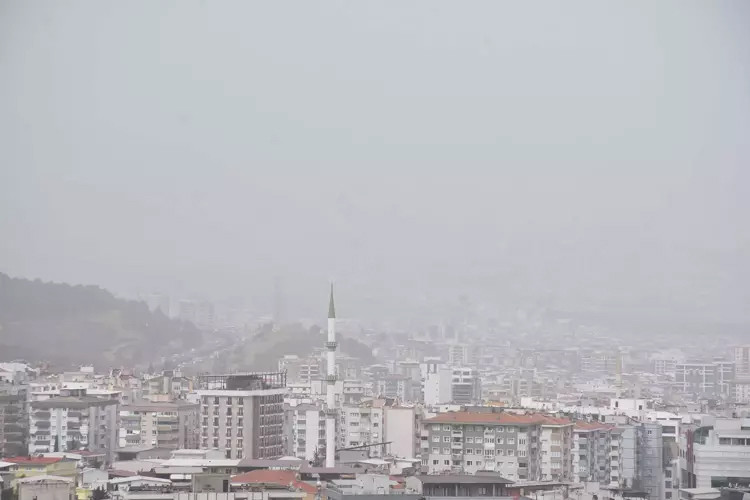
(402, 429)
(742, 392)
(242, 415)
(471, 441)
(362, 425)
(715, 454)
(437, 384)
(74, 421)
(443, 384)
(307, 430)
(556, 449)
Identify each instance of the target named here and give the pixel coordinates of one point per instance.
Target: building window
(447, 462)
(435, 462)
(435, 439)
(436, 451)
(446, 427)
(446, 439)
(468, 462)
(511, 453)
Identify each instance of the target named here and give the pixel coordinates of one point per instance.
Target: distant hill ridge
(66, 324)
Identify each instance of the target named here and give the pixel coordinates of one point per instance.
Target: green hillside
(66, 324)
(263, 350)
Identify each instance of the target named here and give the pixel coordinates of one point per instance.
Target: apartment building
(300, 370)
(72, 421)
(444, 384)
(556, 445)
(712, 379)
(592, 443)
(742, 363)
(242, 415)
(362, 425)
(622, 465)
(393, 386)
(306, 431)
(471, 441)
(715, 454)
(162, 425)
(14, 423)
(466, 387)
(168, 386)
(402, 429)
(650, 459)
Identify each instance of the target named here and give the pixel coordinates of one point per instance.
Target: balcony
(457, 433)
(457, 446)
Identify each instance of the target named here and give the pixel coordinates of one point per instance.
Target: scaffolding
(245, 381)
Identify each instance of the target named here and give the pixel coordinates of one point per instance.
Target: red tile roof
(593, 426)
(557, 421)
(34, 460)
(282, 478)
(466, 417)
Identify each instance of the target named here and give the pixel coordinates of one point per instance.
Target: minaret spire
(331, 307)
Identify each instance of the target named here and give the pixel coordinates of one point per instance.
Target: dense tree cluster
(74, 324)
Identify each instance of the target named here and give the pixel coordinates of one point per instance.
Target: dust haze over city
(502, 176)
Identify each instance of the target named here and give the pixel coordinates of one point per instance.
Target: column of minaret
(331, 385)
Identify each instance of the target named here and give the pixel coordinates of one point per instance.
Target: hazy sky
(594, 152)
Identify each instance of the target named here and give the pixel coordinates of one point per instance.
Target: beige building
(161, 425)
(74, 421)
(472, 441)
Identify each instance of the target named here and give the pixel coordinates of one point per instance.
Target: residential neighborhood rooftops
(281, 478)
(34, 460)
(464, 479)
(503, 418)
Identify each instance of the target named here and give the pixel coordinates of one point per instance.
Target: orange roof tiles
(556, 421)
(283, 478)
(593, 426)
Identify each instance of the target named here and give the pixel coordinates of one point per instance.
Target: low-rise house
(44, 487)
(43, 466)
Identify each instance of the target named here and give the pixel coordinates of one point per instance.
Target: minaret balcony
(331, 345)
